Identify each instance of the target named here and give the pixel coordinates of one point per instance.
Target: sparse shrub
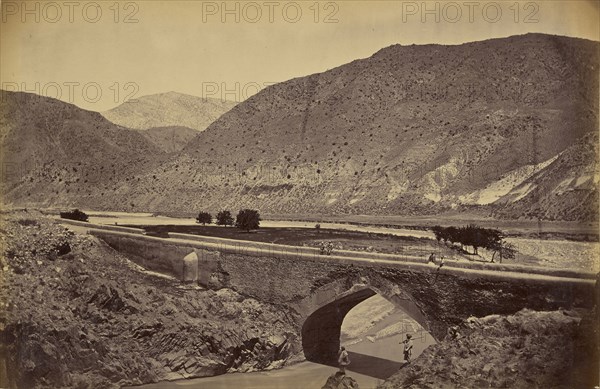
(62, 248)
(75, 214)
(28, 222)
(247, 219)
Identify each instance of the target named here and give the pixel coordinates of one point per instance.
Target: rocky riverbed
(76, 314)
(526, 350)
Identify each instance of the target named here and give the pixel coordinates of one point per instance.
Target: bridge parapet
(154, 249)
(273, 250)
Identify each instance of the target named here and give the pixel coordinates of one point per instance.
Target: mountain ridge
(410, 130)
(533, 90)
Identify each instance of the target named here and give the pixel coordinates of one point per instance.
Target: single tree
(247, 219)
(204, 217)
(318, 228)
(224, 218)
(504, 249)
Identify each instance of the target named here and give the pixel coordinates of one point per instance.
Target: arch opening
(321, 331)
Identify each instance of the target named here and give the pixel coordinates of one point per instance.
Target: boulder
(190, 267)
(339, 380)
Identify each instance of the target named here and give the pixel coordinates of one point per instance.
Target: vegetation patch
(75, 214)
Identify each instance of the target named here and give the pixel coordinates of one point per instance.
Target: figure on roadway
(326, 247)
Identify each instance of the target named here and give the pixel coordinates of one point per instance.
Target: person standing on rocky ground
(343, 359)
(408, 346)
(431, 258)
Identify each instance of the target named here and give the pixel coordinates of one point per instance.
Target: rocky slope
(54, 153)
(169, 139)
(410, 130)
(76, 314)
(168, 110)
(566, 190)
(526, 350)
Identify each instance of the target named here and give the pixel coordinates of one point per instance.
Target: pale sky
(134, 48)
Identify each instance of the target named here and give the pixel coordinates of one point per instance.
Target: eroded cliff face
(75, 313)
(530, 349)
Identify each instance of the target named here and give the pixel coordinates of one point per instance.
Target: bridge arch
(328, 305)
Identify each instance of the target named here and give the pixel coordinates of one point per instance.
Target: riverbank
(547, 243)
(417, 226)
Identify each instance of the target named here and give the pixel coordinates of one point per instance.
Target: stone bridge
(320, 290)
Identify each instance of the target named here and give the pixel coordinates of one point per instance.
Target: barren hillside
(504, 127)
(55, 153)
(169, 139)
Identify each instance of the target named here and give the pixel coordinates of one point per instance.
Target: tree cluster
(476, 237)
(246, 219)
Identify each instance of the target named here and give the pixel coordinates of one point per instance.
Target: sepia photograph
(310, 194)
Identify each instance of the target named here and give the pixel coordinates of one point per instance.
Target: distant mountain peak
(168, 109)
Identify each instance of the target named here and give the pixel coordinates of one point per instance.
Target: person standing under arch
(408, 346)
(343, 359)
